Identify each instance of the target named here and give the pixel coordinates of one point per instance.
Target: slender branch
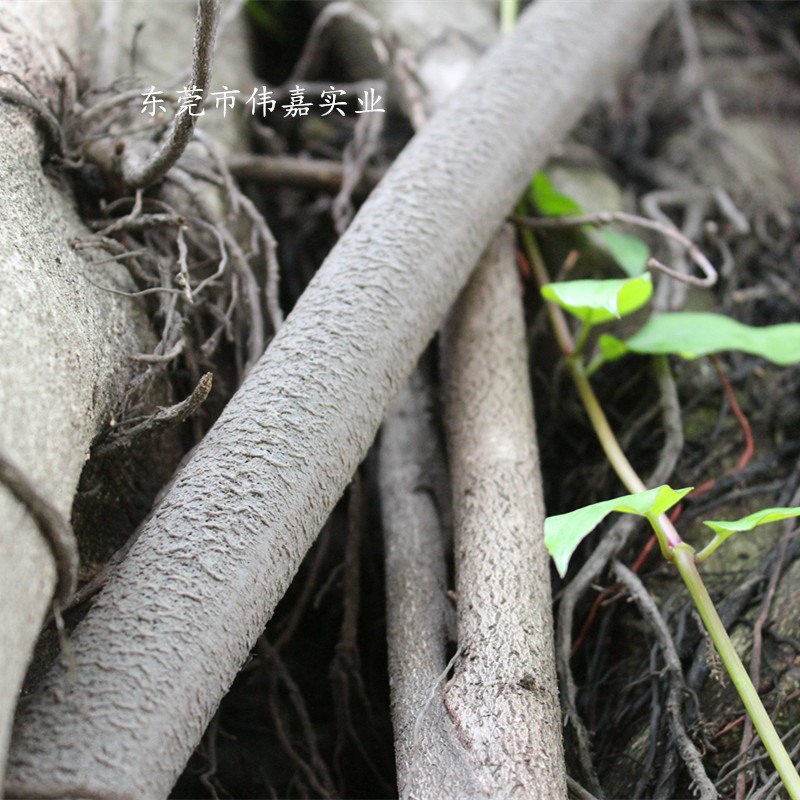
(320, 174)
(321, 27)
(140, 176)
(162, 418)
(609, 217)
(53, 525)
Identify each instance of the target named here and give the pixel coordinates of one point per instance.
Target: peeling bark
(166, 637)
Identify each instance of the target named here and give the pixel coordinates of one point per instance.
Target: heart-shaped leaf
(596, 301)
(630, 252)
(725, 529)
(564, 532)
(549, 200)
(693, 334)
(751, 521)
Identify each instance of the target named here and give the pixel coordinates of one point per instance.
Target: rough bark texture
(431, 760)
(165, 639)
(65, 343)
(494, 730)
(503, 698)
(414, 506)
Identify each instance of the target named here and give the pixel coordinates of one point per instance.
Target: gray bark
(503, 698)
(433, 754)
(494, 729)
(164, 640)
(65, 345)
(415, 506)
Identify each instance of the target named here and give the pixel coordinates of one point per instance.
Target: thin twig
(44, 115)
(610, 217)
(143, 222)
(311, 764)
(273, 276)
(53, 525)
(345, 10)
(162, 418)
(577, 791)
(769, 789)
(677, 686)
(241, 266)
(118, 257)
(223, 256)
(303, 173)
(671, 295)
(162, 358)
(102, 108)
(309, 585)
(693, 70)
(256, 341)
(727, 770)
(141, 176)
(183, 268)
(218, 159)
(357, 154)
(137, 293)
(260, 230)
(345, 669)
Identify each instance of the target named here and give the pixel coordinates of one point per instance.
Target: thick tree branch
(415, 505)
(61, 374)
(503, 698)
(166, 637)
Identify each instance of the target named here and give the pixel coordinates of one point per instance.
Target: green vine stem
(508, 14)
(672, 546)
(710, 548)
(685, 562)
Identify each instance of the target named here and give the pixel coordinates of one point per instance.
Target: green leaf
(549, 200)
(630, 252)
(723, 530)
(564, 532)
(600, 301)
(763, 517)
(693, 334)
